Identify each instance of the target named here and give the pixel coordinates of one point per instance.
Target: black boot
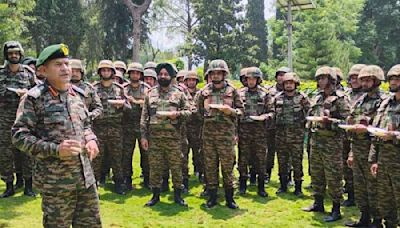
(365, 221)
(119, 187)
(212, 200)
(350, 198)
(19, 183)
(317, 206)
(185, 185)
(128, 183)
(268, 176)
(28, 188)
(155, 199)
(283, 188)
(253, 178)
(335, 214)
(297, 188)
(261, 187)
(242, 185)
(229, 199)
(9, 190)
(376, 223)
(178, 199)
(165, 184)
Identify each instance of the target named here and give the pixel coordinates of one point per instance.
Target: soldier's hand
(350, 162)
(145, 144)
(69, 148)
(173, 115)
(226, 110)
(21, 92)
(92, 149)
(374, 169)
(360, 129)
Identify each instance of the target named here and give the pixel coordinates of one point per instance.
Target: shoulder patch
(37, 91)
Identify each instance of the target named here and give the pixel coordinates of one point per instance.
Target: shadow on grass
(221, 212)
(169, 208)
(8, 205)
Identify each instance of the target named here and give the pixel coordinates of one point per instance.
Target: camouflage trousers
(271, 149)
(9, 154)
(327, 165)
(347, 172)
(365, 185)
(218, 148)
(185, 152)
(388, 178)
(110, 145)
(165, 154)
(252, 149)
(79, 208)
(131, 135)
(194, 144)
(289, 144)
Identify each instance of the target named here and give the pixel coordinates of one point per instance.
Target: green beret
(169, 67)
(52, 52)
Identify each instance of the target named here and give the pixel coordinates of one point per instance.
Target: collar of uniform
(55, 93)
(20, 68)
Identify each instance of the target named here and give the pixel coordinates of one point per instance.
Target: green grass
(128, 211)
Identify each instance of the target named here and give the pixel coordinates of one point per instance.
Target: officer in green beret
(53, 125)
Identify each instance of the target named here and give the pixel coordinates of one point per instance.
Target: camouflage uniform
(327, 145)
(252, 133)
(290, 113)
(24, 78)
(386, 155)
(218, 134)
(92, 100)
(45, 118)
(131, 132)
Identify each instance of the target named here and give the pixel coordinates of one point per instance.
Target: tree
(137, 11)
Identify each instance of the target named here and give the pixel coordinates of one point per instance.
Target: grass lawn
(128, 210)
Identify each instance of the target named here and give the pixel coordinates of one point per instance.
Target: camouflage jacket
(110, 112)
(228, 95)
(158, 100)
(194, 121)
(92, 100)
(45, 118)
(364, 109)
(256, 103)
(23, 79)
(134, 114)
(336, 105)
(354, 95)
(273, 90)
(291, 111)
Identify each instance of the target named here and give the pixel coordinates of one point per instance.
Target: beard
(75, 80)
(135, 81)
(367, 90)
(14, 60)
(290, 90)
(164, 82)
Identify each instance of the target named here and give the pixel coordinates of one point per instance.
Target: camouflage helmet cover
(105, 63)
(394, 71)
(181, 73)
(192, 74)
(150, 65)
(355, 69)
(372, 71)
(291, 76)
(218, 64)
(339, 73)
(283, 70)
(120, 64)
(325, 70)
(150, 73)
(135, 66)
(243, 72)
(12, 46)
(76, 64)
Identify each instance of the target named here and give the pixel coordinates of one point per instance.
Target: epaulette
(79, 90)
(37, 91)
(29, 69)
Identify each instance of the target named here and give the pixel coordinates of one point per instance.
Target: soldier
(53, 125)
(219, 105)
(354, 92)
(242, 77)
(150, 77)
(118, 77)
(92, 100)
(15, 80)
(164, 109)
(291, 107)
(332, 106)
(120, 66)
(340, 78)
(108, 126)
(273, 90)
(384, 154)
(193, 126)
(362, 114)
(150, 65)
(252, 144)
(135, 91)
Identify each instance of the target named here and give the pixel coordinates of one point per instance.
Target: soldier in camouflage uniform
(150, 65)
(193, 125)
(15, 80)
(108, 126)
(53, 125)
(92, 100)
(242, 75)
(384, 154)
(150, 77)
(120, 66)
(252, 142)
(354, 92)
(362, 114)
(219, 105)
(164, 110)
(332, 106)
(273, 90)
(291, 107)
(135, 91)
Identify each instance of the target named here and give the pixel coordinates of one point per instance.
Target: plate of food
(111, 101)
(164, 113)
(13, 90)
(216, 106)
(314, 118)
(257, 118)
(377, 131)
(347, 127)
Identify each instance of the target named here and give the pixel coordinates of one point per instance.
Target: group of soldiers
(73, 132)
